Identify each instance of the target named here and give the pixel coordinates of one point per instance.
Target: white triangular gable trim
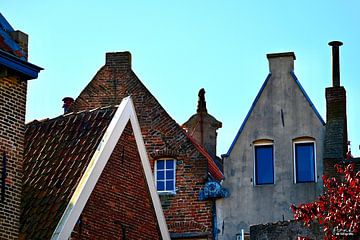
(124, 113)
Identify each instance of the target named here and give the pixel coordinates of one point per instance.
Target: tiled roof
(57, 152)
(212, 166)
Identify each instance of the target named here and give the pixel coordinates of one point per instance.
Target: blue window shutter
(305, 162)
(264, 164)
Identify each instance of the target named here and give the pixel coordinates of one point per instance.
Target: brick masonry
(120, 206)
(12, 121)
(335, 145)
(163, 137)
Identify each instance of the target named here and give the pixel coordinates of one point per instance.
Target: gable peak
(281, 61)
(121, 60)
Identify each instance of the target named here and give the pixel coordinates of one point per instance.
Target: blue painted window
(305, 162)
(165, 175)
(264, 164)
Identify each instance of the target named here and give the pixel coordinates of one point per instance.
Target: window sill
(166, 192)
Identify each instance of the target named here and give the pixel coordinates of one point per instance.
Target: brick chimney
(335, 147)
(119, 60)
(203, 127)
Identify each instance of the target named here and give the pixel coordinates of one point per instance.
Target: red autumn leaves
(338, 209)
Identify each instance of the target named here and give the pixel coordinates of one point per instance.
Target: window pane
(170, 185)
(305, 162)
(160, 164)
(170, 174)
(264, 164)
(160, 175)
(165, 175)
(160, 185)
(169, 164)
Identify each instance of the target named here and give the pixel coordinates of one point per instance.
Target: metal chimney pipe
(335, 62)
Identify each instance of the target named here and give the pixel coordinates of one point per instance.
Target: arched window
(165, 175)
(304, 150)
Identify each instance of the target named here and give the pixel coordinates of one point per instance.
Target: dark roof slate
(57, 152)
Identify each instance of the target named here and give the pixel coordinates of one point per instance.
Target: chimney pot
(335, 62)
(67, 103)
(121, 60)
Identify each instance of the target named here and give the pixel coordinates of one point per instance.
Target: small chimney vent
(67, 103)
(335, 62)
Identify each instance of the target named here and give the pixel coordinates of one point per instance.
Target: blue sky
(179, 47)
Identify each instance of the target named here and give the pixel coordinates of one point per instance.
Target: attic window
(264, 162)
(165, 175)
(304, 161)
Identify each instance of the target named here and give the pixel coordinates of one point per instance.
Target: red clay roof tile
(57, 152)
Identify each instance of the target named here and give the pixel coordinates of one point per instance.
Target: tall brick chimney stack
(335, 147)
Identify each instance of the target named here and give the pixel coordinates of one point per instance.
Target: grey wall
(249, 204)
(285, 230)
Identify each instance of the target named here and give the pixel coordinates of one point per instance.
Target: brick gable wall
(12, 121)
(163, 137)
(120, 206)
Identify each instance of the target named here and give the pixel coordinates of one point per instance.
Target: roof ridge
(71, 114)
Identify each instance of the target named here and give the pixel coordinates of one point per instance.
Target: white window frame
(155, 175)
(294, 159)
(258, 143)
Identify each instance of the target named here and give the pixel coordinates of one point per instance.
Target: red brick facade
(163, 137)
(120, 206)
(12, 121)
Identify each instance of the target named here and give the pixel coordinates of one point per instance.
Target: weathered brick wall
(287, 230)
(12, 121)
(335, 145)
(120, 206)
(163, 138)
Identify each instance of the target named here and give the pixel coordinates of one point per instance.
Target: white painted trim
(124, 113)
(155, 176)
(267, 143)
(294, 159)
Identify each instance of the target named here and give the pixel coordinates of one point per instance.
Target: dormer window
(165, 175)
(304, 161)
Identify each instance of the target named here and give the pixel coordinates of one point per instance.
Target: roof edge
(307, 98)
(29, 70)
(124, 114)
(248, 115)
(5, 24)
